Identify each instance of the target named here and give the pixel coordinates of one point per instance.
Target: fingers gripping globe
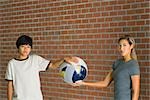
(74, 71)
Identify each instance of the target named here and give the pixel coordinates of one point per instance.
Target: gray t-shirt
(122, 72)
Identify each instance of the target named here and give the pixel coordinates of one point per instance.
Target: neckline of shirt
(21, 59)
(127, 61)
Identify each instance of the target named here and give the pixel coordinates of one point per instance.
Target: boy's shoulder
(34, 55)
(11, 60)
(14, 59)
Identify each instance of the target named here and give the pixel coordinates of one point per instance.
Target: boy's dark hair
(24, 40)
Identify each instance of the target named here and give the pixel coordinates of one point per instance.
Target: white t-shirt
(25, 77)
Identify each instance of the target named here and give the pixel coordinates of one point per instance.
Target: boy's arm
(10, 90)
(55, 64)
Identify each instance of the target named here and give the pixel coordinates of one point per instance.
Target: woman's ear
(132, 46)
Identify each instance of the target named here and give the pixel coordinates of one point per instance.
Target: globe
(72, 72)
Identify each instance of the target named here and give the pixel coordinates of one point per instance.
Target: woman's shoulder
(134, 63)
(134, 67)
(116, 63)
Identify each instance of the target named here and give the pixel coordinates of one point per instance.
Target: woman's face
(125, 48)
(24, 50)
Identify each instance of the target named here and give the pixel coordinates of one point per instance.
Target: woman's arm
(103, 83)
(10, 90)
(135, 87)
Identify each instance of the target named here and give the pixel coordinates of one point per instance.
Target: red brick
(85, 28)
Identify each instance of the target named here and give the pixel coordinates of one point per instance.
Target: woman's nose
(121, 48)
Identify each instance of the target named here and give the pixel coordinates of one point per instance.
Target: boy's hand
(71, 59)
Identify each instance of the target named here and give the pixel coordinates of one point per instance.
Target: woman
(125, 73)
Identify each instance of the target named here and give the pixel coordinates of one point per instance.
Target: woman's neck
(126, 59)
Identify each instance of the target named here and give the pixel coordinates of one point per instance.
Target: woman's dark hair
(24, 40)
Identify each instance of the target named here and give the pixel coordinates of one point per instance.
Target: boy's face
(24, 50)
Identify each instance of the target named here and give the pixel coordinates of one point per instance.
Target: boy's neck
(20, 57)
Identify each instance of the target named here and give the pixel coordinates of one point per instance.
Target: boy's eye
(22, 46)
(28, 46)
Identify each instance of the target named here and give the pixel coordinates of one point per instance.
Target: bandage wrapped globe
(74, 71)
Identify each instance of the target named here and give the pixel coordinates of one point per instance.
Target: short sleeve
(113, 66)
(9, 74)
(134, 69)
(42, 63)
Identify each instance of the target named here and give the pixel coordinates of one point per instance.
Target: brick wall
(85, 28)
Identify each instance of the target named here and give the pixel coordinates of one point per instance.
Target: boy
(23, 72)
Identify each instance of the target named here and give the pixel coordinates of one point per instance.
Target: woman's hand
(77, 83)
